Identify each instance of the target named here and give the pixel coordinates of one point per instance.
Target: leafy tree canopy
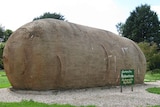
(7, 34)
(1, 31)
(141, 25)
(50, 15)
(4, 34)
(119, 27)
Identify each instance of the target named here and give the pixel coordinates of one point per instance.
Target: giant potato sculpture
(51, 54)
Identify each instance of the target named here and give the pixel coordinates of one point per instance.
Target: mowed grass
(151, 106)
(35, 104)
(4, 83)
(155, 90)
(151, 77)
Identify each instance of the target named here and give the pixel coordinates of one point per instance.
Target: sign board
(127, 77)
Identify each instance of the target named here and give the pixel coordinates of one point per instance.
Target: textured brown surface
(52, 54)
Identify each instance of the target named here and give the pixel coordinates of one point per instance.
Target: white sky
(103, 14)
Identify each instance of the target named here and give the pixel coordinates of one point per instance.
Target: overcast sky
(103, 14)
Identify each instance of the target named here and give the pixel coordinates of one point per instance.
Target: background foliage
(50, 15)
(4, 34)
(143, 27)
(1, 55)
(152, 55)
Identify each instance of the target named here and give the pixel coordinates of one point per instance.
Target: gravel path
(101, 96)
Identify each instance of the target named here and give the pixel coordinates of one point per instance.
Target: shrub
(1, 54)
(155, 71)
(154, 62)
(152, 55)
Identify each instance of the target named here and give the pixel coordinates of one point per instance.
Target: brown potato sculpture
(52, 54)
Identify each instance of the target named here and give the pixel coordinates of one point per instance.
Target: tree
(51, 15)
(7, 34)
(4, 34)
(1, 31)
(119, 27)
(142, 25)
(1, 55)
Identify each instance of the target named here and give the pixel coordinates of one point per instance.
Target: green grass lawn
(4, 80)
(155, 90)
(151, 77)
(155, 106)
(35, 104)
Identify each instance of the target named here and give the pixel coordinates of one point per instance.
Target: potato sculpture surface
(52, 54)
